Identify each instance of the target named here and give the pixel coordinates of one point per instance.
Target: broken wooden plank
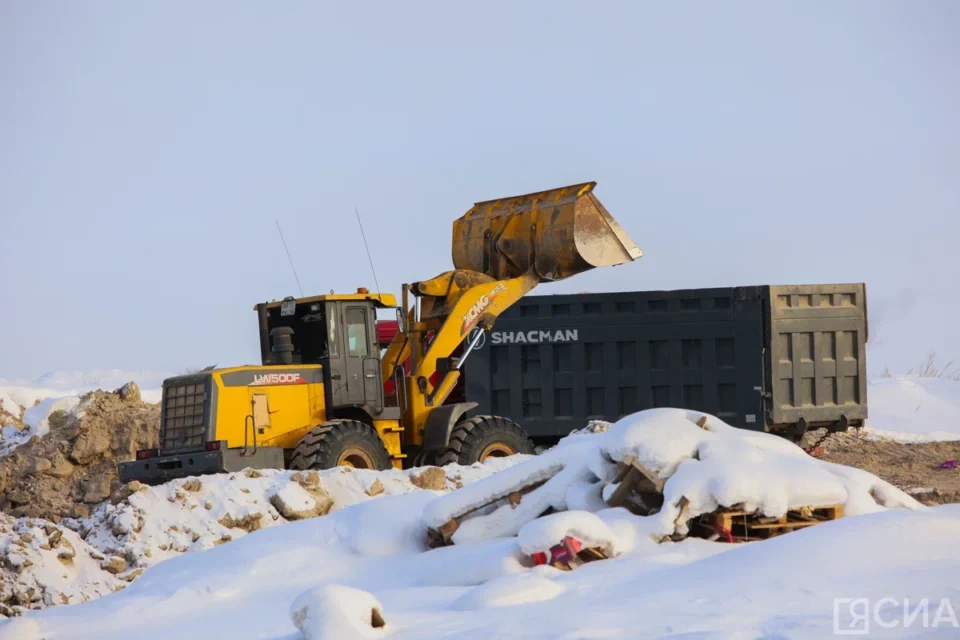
(781, 525)
(655, 481)
(627, 484)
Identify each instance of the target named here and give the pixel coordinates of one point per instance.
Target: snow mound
(912, 409)
(704, 468)
(507, 591)
(543, 533)
(331, 612)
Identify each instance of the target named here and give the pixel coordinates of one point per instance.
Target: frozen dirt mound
(65, 460)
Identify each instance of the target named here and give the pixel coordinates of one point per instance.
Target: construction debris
(733, 525)
(675, 473)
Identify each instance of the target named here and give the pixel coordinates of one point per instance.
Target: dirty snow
(158, 523)
(52, 561)
(35, 420)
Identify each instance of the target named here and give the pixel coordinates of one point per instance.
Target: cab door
(362, 366)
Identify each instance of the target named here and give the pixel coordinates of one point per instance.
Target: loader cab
(337, 332)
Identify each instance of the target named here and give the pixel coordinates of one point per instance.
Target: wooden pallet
(740, 526)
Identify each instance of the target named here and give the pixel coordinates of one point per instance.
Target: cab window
(356, 320)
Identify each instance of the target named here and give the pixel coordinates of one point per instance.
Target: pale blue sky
(146, 150)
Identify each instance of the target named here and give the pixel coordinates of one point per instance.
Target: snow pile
(913, 409)
(193, 514)
(704, 468)
(46, 564)
(330, 612)
(152, 524)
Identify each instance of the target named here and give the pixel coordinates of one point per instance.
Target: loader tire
(341, 443)
(482, 437)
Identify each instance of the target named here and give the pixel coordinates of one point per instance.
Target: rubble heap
(662, 475)
(73, 466)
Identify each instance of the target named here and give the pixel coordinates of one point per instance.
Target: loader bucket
(557, 234)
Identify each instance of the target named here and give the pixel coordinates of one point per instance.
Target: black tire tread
(320, 445)
(464, 445)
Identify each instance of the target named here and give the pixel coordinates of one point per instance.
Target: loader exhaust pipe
(555, 234)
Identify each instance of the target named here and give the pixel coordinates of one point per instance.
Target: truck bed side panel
(552, 363)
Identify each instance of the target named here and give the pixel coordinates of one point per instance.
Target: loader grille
(184, 410)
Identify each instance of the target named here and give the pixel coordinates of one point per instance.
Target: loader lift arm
(502, 249)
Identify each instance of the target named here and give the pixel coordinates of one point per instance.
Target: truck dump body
(763, 357)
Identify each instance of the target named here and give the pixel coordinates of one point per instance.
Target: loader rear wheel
(482, 437)
(341, 443)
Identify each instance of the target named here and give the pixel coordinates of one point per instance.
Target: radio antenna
(296, 277)
(369, 257)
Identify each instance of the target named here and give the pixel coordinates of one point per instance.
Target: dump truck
(778, 358)
(318, 399)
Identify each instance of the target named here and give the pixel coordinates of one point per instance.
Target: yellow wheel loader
(318, 400)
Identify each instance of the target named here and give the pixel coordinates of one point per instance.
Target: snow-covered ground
(912, 409)
(784, 588)
(325, 575)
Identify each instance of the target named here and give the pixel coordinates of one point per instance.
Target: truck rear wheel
(341, 443)
(483, 437)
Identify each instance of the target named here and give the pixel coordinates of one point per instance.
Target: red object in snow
(565, 552)
(725, 534)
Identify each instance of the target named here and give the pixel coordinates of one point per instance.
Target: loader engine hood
(554, 234)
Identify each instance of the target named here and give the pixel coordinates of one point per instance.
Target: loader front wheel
(341, 443)
(482, 437)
